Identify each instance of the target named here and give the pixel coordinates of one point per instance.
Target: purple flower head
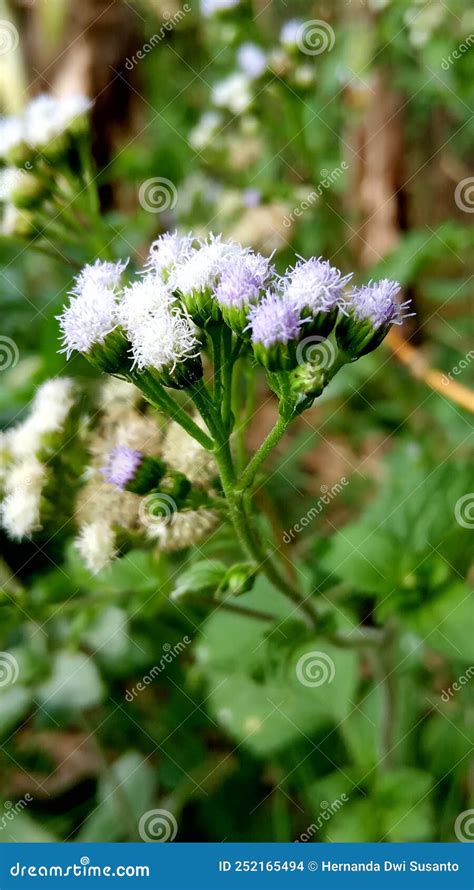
(242, 279)
(315, 285)
(274, 320)
(377, 303)
(122, 465)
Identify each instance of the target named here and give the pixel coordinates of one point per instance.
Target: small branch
(419, 368)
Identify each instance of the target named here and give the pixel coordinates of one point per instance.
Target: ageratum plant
(184, 331)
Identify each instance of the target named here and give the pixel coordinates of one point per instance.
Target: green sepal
(358, 337)
(148, 476)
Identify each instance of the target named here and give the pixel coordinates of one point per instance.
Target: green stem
(215, 336)
(205, 405)
(156, 394)
(230, 356)
(248, 538)
(248, 477)
(247, 412)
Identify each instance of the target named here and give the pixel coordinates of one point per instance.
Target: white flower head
(47, 116)
(290, 32)
(164, 340)
(233, 93)
(141, 299)
(96, 544)
(93, 310)
(12, 134)
(100, 274)
(20, 510)
(10, 177)
(201, 270)
(210, 7)
(205, 130)
(52, 403)
(168, 250)
(252, 60)
(87, 321)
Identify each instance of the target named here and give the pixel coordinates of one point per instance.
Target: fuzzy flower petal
(93, 310)
(242, 279)
(164, 340)
(377, 303)
(315, 285)
(274, 320)
(201, 270)
(168, 250)
(141, 299)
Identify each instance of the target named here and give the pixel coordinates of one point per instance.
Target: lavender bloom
(242, 279)
(274, 321)
(275, 330)
(376, 302)
(314, 285)
(122, 465)
(370, 312)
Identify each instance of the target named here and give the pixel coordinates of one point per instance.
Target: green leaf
(74, 684)
(123, 796)
(445, 623)
(201, 578)
(15, 702)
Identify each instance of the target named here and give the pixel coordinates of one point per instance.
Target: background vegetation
(371, 139)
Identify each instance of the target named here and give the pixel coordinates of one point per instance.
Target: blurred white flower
(97, 545)
(233, 93)
(210, 7)
(20, 510)
(252, 60)
(205, 130)
(290, 32)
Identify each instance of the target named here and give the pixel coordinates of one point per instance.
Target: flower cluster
(132, 463)
(95, 464)
(26, 454)
(157, 325)
(47, 128)
(50, 138)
